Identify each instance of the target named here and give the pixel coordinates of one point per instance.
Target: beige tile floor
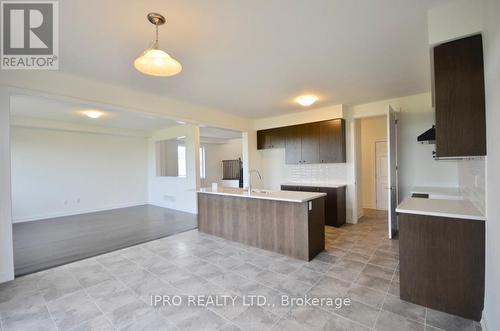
(113, 291)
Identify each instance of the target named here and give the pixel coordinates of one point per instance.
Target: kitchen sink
(261, 191)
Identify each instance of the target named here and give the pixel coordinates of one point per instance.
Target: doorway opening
(372, 156)
(375, 168)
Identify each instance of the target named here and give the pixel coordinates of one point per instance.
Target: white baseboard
(77, 212)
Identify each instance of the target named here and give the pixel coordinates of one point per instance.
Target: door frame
(379, 110)
(392, 160)
(375, 191)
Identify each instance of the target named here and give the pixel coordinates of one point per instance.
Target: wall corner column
(6, 241)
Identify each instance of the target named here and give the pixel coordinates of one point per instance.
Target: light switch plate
(310, 205)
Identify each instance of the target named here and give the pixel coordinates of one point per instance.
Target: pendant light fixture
(153, 61)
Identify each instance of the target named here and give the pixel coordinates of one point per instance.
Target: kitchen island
(285, 222)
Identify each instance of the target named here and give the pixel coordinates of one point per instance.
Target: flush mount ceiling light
(92, 113)
(306, 100)
(153, 61)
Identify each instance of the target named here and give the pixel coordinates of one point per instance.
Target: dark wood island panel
(288, 228)
(442, 263)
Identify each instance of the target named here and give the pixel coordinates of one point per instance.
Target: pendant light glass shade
(156, 62)
(153, 61)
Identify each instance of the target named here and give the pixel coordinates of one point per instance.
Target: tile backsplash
(472, 179)
(317, 173)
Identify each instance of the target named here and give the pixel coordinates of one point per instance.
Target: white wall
(416, 164)
(6, 254)
(303, 116)
(472, 180)
(176, 192)
(491, 40)
(372, 129)
(57, 173)
(453, 20)
(214, 154)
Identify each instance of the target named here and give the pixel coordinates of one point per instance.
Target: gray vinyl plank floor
(113, 291)
(43, 244)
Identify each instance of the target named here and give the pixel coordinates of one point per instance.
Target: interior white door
(381, 175)
(392, 157)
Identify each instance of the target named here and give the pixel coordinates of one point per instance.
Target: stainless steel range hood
(428, 137)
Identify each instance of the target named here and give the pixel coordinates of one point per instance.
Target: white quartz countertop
(288, 196)
(447, 193)
(462, 209)
(331, 185)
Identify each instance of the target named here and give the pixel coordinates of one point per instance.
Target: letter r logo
(27, 28)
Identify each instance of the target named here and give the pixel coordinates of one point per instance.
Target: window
(171, 159)
(167, 158)
(181, 160)
(202, 162)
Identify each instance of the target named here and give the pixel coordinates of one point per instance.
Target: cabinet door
(335, 208)
(289, 188)
(459, 98)
(330, 206)
(310, 143)
(341, 206)
(332, 141)
(293, 145)
(262, 139)
(309, 189)
(276, 138)
(270, 138)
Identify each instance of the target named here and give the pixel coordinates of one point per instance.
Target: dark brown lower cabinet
(335, 203)
(442, 263)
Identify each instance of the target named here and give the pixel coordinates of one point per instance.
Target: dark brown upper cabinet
(317, 142)
(310, 143)
(302, 144)
(459, 98)
(293, 144)
(332, 141)
(270, 138)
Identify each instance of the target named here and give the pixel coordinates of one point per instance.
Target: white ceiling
(210, 132)
(254, 57)
(68, 112)
(24, 106)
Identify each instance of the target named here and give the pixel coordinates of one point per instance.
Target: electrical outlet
(475, 180)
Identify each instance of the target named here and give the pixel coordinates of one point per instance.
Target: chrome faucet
(250, 179)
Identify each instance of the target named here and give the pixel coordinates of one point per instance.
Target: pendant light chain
(156, 41)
